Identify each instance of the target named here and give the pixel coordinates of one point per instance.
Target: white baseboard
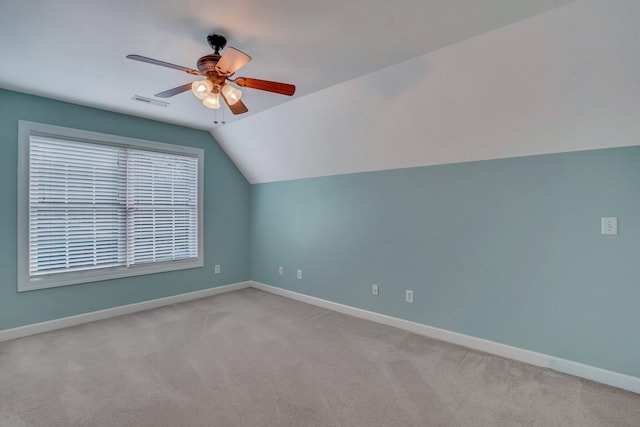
(614, 379)
(480, 344)
(603, 376)
(38, 328)
(599, 375)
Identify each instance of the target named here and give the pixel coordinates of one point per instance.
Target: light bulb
(212, 101)
(201, 88)
(231, 94)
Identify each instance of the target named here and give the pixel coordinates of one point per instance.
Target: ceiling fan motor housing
(207, 63)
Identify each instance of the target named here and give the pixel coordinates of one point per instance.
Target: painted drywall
(565, 80)
(508, 250)
(226, 210)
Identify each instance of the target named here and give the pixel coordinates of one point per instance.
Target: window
(94, 207)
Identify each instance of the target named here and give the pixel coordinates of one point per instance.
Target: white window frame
(26, 282)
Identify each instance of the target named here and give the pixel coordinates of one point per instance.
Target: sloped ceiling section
(561, 81)
(75, 50)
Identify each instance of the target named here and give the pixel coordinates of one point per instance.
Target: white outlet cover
(374, 290)
(408, 296)
(216, 269)
(299, 274)
(280, 270)
(609, 225)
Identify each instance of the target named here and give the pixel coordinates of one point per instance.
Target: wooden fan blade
(281, 88)
(231, 61)
(171, 92)
(164, 64)
(237, 108)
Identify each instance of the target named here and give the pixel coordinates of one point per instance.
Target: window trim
(27, 283)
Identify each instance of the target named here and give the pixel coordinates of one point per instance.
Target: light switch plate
(609, 225)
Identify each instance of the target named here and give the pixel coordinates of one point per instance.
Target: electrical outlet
(216, 269)
(609, 225)
(299, 274)
(408, 296)
(280, 270)
(374, 290)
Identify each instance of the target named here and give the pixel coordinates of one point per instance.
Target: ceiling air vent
(150, 101)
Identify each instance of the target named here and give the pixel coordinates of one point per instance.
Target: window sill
(87, 276)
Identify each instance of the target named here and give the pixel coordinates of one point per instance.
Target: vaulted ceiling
(380, 84)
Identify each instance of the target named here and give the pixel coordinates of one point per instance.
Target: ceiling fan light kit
(218, 69)
(201, 88)
(231, 94)
(212, 101)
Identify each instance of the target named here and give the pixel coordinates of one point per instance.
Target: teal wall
(226, 222)
(507, 250)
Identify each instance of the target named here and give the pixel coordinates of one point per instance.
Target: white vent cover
(150, 101)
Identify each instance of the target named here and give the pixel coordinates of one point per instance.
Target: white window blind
(105, 210)
(162, 207)
(77, 198)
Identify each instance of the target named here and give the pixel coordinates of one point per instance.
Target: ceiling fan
(217, 69)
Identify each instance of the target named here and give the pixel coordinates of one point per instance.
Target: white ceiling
(381, 84)
(74, 50)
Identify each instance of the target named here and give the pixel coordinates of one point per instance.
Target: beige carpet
(249, 358)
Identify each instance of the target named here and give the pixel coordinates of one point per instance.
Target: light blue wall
(507, 250)
(226, 208)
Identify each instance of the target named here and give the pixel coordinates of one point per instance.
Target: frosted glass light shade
(201, 88)
(212, 101)
(232, 94)
(232, 60)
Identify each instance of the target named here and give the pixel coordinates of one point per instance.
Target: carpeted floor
(249, 358)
